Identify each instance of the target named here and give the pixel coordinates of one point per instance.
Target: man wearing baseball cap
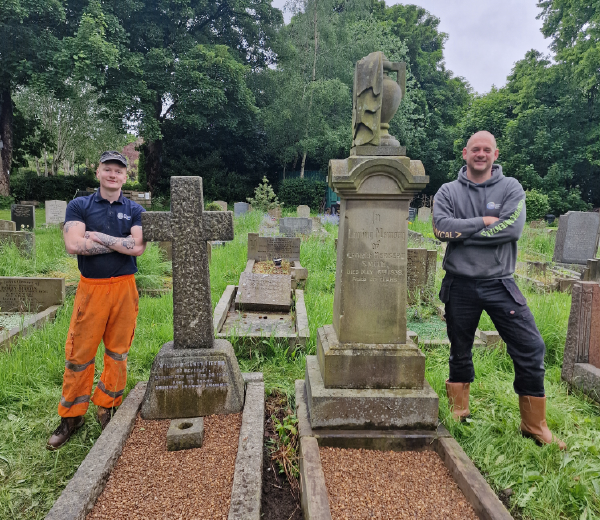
(104, 230)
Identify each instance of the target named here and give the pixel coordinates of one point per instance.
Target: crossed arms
(78, 241)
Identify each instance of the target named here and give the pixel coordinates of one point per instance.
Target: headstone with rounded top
(424, 214)
(303, 211)
(222, 204)
(55, 211)
(239, 208)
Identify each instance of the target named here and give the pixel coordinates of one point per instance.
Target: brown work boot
(458, 400)
(533, 421)
(68, 426)
(105, 415)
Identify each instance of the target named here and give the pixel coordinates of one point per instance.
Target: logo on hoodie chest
(493, 205)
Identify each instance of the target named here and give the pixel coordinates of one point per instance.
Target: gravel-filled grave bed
(150, 482)
(365, 484)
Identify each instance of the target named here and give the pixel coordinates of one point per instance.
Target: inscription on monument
(23, 216)
(197, 375)
(268, 248)
(55, 211)
(33, 294)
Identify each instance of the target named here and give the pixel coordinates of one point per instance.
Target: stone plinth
(264, 292)
(366, 409)
(359, 365)
(194, 382)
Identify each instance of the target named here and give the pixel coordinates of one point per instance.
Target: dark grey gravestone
(264, 292)
(239, 208)
(291, 226)
(194, 375)
(577, 237)
(23, 216)
(268, 248)
(7, 225)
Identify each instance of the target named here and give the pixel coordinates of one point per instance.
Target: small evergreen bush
(537, 205)
(6, 202)
(264, 197)
(213, 206)
(295, 192)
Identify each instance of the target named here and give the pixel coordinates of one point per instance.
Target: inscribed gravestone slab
(577, 237)
(30, 294)
(55, 211)
(222, 204)
(290, 226)
(424, 214)
(239, 208)
(24, 240)
(264, 292)
(7, 225)
(303, 211)
(268, 248)
(23, 216)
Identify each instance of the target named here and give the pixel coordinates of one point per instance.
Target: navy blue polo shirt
(115, 219)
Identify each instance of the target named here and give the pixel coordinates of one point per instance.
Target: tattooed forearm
(69, 225)
(90, 248)
(129, 242)
(106, 240)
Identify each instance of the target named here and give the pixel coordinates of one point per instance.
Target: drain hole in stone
(185, 425)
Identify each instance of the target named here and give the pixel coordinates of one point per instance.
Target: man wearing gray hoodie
(481, 216)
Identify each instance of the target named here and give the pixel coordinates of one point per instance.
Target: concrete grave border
(37, 321)
(297, 339)
(81, 493)
(314, 498)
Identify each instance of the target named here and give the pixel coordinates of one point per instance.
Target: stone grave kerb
(375, 194)
(188, 227)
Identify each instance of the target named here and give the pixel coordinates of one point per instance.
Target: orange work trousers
(104, 309)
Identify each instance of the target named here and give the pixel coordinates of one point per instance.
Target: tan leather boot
(68, 426)
(104, 415)
(533, 421)
(458, 399)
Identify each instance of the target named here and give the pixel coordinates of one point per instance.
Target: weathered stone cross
(188, 227)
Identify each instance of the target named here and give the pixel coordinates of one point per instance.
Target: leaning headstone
(268, 248)
(194, 375)
(8, 225)
(264, 292)
(581, 361)
(23, 216)
(292, 226)
(222, 204)
(30, 294)
(577, 237)
(424, 214)
(24, 240)
(239, 208)
(303, 211)
(55, 211)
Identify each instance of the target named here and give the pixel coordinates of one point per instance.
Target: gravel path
(149, 482)
(391, 485)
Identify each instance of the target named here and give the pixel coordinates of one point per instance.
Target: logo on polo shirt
(122, 216)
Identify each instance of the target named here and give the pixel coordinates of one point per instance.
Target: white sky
(485, 37)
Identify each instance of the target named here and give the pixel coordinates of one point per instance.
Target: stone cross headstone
(188, 227)
(291, 226)
(577, 237)
(424, 214)
(222, 203)
(55, 211)
(23, 216)
(194, 375)
(269, 248)
(30, 294)
(8, 225)
(303, 211)
(239, 208)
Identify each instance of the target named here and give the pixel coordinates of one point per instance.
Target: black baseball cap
(112, 155)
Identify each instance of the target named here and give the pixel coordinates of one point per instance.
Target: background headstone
(303, 211)
(412, 214)
(167, 248)
(30, 294)
(264, 292)
(24, 240)
(30, 203)
(55, 211)
(275, 212)
(222, 204)
(577, 237)
(8, 225)
(268, 248)
(239, 208)
(23, 216)
(424, 214)
(290, 226)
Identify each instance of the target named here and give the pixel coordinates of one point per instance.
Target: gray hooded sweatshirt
(476, 251)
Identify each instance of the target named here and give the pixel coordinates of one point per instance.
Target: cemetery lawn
(537, 483)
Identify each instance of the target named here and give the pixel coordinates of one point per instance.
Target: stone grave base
(353, 409)
(80, 495)
(313, 491)
(32, 322)
(586, 378)
(250, 328)
(194, 382)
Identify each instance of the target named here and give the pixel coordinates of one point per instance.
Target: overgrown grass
(546, 484)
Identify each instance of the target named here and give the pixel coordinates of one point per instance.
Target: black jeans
(465, 299)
